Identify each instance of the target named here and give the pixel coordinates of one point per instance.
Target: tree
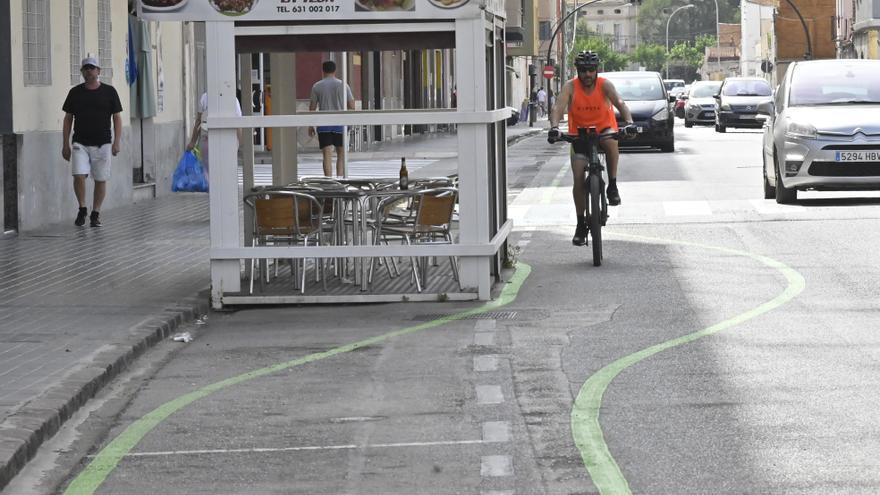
(651, 56)
(611, 60)
(687, 25)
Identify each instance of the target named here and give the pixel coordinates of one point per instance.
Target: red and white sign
(549, 71)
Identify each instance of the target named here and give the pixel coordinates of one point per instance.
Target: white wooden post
(223, 157)
(473, 146)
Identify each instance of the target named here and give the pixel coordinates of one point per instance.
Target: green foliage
(651, 56)
(687, 24)
(686, 58)
(611, 60)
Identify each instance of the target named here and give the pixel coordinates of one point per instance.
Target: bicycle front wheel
(595, 188)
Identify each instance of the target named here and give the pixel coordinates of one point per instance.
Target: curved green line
(108, 458)
(585, 426)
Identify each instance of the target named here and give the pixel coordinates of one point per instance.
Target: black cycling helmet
(587, 60)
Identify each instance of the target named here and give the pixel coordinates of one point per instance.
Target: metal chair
(286, 217)
(430, 225)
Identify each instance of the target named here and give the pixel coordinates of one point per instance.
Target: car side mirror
(671, 98)
(766, 108)
(717, 97)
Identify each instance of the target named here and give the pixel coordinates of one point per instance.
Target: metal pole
(717, 38)
(808, 55)
(688, 6)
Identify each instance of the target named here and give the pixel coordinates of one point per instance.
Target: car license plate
(747, 116)
(857, 156)
(640, 129)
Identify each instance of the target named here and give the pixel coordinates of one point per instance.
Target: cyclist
(589, 100)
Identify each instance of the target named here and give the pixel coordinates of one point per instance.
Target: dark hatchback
(649, 104)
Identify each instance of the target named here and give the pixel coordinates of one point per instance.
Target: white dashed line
(485, 363)
(484, 338)
(489, 394)
(496, 431)
(496, 465)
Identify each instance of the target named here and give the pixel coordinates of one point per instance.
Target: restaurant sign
(311, 10)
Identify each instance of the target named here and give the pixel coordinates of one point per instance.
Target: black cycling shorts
(329, 139)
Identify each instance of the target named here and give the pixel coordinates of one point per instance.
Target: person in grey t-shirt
(327, 96)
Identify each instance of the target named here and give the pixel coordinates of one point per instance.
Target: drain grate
(492, 315)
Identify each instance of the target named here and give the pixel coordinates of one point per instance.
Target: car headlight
(725, 107)
(800, 131)
(663, 114)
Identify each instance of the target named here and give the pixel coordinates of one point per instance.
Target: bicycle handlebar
(625, 132)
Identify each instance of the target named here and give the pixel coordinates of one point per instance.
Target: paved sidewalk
(80, 303)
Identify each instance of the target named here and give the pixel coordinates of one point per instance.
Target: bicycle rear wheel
(595, 220)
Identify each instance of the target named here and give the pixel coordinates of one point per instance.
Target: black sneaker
(613, 196)
(81, 217)
(94, 220)
(580, 235)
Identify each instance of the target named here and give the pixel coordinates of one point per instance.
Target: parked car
(823, 132)
(649, 104)
(674, 87)
(700, 103)
(737, 102)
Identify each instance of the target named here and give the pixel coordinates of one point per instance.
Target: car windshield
(704, 90)
(858, 83)
(638, 88)
(673, 84)
(741, 87)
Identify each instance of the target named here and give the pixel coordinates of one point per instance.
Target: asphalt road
(727, 345)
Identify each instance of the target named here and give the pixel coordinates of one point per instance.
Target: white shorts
(91, 160)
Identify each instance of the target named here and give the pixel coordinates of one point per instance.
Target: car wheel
(668, 147)
(688, 123)
(769, 191)
(720, 128)
(784, 195)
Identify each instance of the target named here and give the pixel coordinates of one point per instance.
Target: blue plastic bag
(189, 176)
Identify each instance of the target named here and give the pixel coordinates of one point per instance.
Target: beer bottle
(404, 174)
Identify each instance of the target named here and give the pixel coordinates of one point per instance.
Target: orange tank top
(590, 110)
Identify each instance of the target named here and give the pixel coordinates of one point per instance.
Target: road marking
(485, 363)
(496, 465)
(265, 450)
(496, 492)
(484, 338)
(496, 431)
(489, 394)
(587, 431)
(485, 325)
(91, 478)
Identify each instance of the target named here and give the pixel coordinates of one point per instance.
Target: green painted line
(585, 426)
(91, 478)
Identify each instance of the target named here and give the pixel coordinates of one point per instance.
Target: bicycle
(594, 185)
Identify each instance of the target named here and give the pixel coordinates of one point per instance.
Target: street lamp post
(717, 37)
(688, 6)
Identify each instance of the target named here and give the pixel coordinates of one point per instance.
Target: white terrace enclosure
(475, 28)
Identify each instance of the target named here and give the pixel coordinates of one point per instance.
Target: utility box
(521, 28)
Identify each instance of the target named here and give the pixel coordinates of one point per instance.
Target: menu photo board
(309, 10)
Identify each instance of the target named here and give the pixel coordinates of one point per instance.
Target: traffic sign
(549, 71)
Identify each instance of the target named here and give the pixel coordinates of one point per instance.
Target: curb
(27, 428)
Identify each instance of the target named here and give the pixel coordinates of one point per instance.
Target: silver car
(822, 131)
(700, 105)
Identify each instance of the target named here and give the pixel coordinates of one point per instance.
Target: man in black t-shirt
(88, 109)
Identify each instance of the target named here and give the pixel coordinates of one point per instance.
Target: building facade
(757, 53)
(616, 21)
(43, 42)
(866, 29)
